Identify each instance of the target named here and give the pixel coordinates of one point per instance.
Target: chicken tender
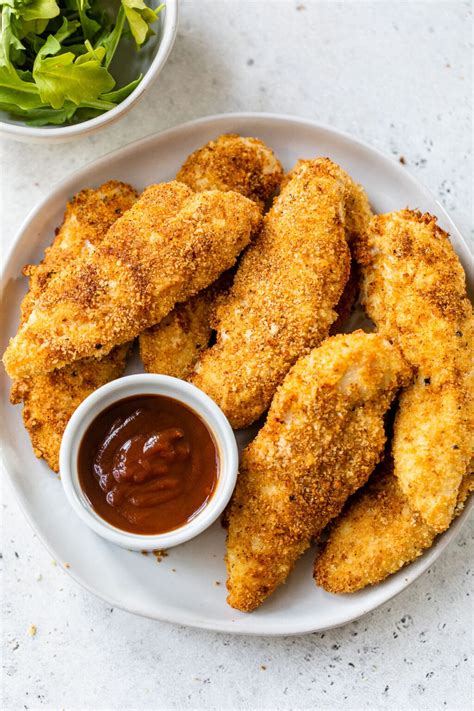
(376, 535)
(323, 436)
(283, 299)
(358, 212)
(231, 162)
(172, 347)
(49, 400)
(433, 444)
(413, 288)
(87, 218)
(234, 162)
(170, 244)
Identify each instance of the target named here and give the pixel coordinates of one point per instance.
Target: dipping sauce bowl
(148, 461)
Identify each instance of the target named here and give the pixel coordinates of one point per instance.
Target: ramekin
(149, 384)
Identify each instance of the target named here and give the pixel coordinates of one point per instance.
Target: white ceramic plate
(184, 587)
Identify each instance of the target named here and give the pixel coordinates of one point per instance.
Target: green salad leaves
(55, 56)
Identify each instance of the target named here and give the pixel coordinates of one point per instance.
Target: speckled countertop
(396, 74)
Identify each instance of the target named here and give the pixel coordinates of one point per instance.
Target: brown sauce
(148, 464)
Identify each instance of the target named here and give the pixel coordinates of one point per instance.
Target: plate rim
(225, 626)
(430, 556)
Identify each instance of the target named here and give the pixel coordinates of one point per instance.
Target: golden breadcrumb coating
(358, 212)
(406, 259)
(173, 346)
(433, 444)
(230, 162)
(283, 299)
(413, 288)
(233, 162)
(87, 218)
(376, 535)
(50, 399)
(323, 436)
(170, 244)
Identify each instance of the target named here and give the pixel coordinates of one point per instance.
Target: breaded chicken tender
(283, 299)
(170, 244)
(433, 444)
(172, 347)
(87, 218)
(413, 288)
(49, 400)
(323, 436)
(231, 162)
(234, 162)
(376, 535)
(358, 212)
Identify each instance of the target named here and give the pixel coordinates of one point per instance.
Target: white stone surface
(398, 75)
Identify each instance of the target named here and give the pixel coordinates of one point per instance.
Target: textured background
(396, 74)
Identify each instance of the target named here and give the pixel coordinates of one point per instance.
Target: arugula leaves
(16, 92)
(55, 56)
(139, 18)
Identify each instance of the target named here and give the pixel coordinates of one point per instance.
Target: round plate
(188, 586)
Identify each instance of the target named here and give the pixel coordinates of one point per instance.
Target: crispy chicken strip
(433, 444)
(358, 212)
(87, 218)
(413, 288)
(231, 162)
(323, 436)
(50, 399)
(172, 347)
(169, 245)
(376, 534)
(283, 299)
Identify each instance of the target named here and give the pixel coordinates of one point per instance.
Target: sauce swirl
(148, 464)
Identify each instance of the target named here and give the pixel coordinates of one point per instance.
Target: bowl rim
(170, 28)
(150, 384)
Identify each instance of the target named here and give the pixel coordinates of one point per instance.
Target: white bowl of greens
(68, 67)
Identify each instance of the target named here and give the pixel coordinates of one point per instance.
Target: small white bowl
(149, 384)
(126, 65)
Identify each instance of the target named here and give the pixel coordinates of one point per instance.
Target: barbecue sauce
(148, 464)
